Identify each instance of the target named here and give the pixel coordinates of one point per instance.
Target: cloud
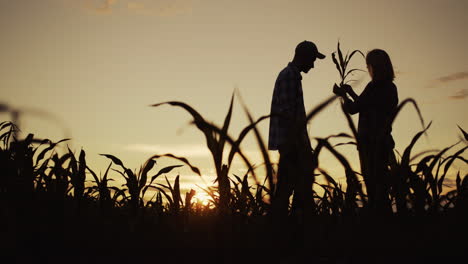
(100, 6)
(460, 95)
(453, 77)
(135, 6)
(160, 7)
(185, 150)
(449, 78)
(142, 7)
(194, 151)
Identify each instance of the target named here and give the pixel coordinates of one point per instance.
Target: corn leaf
(164, 170)
(407, 153)
(114, 159)
(464, 133)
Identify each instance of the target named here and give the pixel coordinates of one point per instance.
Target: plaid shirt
(288, 103)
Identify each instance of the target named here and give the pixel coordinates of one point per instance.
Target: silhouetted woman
(376, 105)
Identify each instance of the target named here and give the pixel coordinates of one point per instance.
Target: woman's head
(379, 65)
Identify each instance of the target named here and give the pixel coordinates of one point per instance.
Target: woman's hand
(347, 88)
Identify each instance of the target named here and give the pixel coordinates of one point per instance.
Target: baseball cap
(308, 47)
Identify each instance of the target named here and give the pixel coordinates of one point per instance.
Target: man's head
(305, 55)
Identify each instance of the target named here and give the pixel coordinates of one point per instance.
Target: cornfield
(54, 204)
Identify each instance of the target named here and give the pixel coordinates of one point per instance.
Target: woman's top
(376, 106)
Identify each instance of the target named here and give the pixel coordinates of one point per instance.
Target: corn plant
(421, 188)
(175, 199)
(242, 198)
(137, 182)
(24, 164)
(333, 200)
(342, 63)
(263, 149)
(5, 137)
(77, 170)
(216, 139)
(105, 199)
(134, 181)
(461, 202)
(17, 166)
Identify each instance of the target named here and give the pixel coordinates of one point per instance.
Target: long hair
(382, 68)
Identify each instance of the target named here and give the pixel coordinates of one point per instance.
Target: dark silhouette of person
(288, 133)
(376, 106)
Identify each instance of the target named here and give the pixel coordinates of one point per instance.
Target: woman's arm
(348, 89)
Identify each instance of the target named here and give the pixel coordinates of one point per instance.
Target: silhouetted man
(288, 132)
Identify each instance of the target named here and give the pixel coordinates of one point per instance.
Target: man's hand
(338, 90)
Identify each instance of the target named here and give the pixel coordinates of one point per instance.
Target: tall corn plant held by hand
(342, 63)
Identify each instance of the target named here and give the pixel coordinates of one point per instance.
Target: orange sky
(95, 66)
